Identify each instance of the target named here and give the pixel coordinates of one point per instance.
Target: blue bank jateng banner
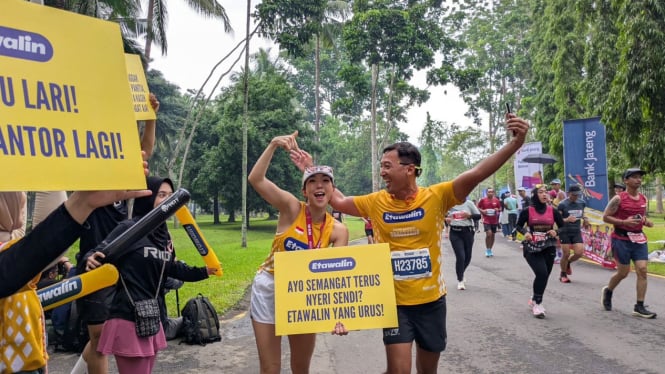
(585, 159)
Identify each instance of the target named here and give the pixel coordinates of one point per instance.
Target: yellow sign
(138, 87)
(66, 114)
(315, 289)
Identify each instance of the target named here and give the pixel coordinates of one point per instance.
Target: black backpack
(200, 323)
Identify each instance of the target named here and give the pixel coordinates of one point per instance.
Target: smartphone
(508, 110)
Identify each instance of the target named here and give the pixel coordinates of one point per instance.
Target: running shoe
(488, 253)
(641, 311)
(531, 303)
(538, 311)
(606, 298)
(461, 285)
(491, 254)
(569, 270)
(564, 279)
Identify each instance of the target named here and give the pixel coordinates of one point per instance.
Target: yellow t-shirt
(295, 237)
(22, 331)
(413, 228)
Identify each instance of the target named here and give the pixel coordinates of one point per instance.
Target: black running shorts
(570, 237)
(424, 323)
(94, 308)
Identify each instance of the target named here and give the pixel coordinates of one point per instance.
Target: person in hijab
(12, 215)
(143, 268)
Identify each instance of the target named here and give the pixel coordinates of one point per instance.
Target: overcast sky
(196, 44)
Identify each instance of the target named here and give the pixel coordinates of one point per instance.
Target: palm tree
(328, 29)
(157, 20)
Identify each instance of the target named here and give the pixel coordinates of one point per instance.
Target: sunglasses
(318, 169)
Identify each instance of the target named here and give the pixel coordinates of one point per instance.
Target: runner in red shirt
(490, 207)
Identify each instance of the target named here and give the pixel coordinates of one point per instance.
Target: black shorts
(424, 323)
(570, 237)
(490, 227)
(94, 308)
(369, 232)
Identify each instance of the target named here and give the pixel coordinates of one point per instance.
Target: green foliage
(171, 116)
(291, 23)
(636, 103)
(271, 112)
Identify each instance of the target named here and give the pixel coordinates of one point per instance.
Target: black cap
(619, 185)
(630, 172)
(575, 189)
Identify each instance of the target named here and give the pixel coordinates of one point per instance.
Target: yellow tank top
(413, 228)
(22, 331)
(295, 237)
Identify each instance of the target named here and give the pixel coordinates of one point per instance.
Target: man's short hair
(407, 154)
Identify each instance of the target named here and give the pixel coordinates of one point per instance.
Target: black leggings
(462, 243)
(541, 263)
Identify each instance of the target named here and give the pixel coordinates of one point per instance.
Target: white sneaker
(538, 311)
(461, 285)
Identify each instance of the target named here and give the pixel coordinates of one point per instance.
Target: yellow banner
(66, 114)
(315, 289)
(138, 86)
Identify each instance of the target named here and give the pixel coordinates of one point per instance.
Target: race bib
(411, 264)
(577, 213)
(539, 236)
(459, 215)
(490, 212)
(637, 237)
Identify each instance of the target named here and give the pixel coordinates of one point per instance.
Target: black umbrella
(540, 158)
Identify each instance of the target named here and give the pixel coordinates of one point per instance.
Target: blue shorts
(625, 250)
(424, 323)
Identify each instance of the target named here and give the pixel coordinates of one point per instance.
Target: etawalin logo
(24, 45)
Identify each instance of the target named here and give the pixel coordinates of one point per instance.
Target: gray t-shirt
(575, 209)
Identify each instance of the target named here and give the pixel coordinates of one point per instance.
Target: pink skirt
(119, 338)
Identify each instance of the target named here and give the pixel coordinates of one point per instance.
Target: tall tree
(395, 37)
(157, 20)
(293, 24)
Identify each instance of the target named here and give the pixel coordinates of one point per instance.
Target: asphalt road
(490, 328)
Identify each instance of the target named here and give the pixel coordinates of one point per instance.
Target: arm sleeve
(184, 272)
(29, 256)
(101, 247)
(475, 213)
(522, 220)
(558, 219)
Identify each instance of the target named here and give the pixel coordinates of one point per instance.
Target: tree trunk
(215, 210)
(375, 162)
(317, 93)
(148, 37)
(659, 195)
(245, 124)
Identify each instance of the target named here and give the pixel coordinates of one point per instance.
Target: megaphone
(118, 246)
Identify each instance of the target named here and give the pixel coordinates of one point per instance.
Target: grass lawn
(655, 233)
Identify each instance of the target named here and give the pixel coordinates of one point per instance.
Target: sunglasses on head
(318, 169)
